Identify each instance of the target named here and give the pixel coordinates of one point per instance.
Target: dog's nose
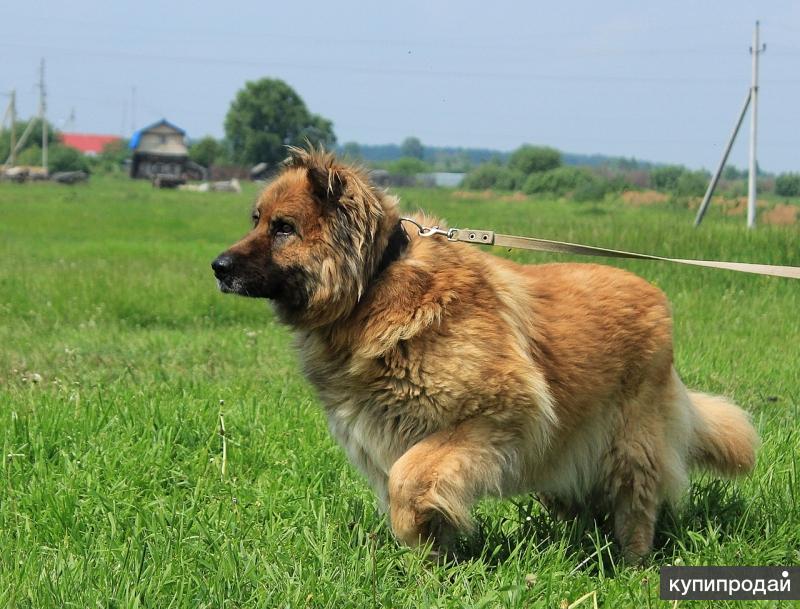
(222, 265)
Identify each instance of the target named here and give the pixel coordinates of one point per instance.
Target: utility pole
(750, 100)
(70, 122)
(133, 109)
(715, 179)
(11, 113)
(12, 108)
(755, 51)
(42, 114)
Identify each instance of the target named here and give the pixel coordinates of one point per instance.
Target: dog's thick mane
(361, 221)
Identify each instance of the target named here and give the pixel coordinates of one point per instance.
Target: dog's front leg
(435, 483)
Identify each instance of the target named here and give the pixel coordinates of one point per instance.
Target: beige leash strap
(486, 237)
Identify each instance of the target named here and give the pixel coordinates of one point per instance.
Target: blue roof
(138, 134)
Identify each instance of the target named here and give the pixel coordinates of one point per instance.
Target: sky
(658, 81)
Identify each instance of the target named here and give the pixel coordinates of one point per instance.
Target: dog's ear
(327, 182)
(327, 179)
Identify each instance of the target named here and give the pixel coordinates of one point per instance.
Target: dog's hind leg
(435, 483)
(645, 465)
(635, 504)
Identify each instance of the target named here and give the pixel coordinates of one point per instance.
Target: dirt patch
(490, 195)
(738, 206)
(638, 198)
(474, 194)
(516, 196)
(782, 215)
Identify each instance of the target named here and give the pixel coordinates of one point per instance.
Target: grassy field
(117, 355)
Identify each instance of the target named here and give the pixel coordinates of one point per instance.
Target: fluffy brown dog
(449, 374)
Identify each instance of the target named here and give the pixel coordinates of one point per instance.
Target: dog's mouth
(238, 286)
(230, 280)
(286, 286)
(227, 285)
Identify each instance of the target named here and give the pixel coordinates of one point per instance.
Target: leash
(487, 237)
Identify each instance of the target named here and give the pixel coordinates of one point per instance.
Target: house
(88, 143)
(159, 150)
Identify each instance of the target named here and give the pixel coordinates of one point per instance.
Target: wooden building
(159, 150)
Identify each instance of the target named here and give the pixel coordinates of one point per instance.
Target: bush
(110, 160)
(595, 190)
(206, 151)
(666, 178)
(788, 185)
(31, 156)
(63, 158)
(408, 166)
(560, 181)
(692, 184)
(679, 181)
(534, 159)
(492, 176)
(59, 158)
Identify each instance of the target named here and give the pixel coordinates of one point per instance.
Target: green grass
(111, 490)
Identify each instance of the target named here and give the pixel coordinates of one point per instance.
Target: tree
(529, 159)
(34, 137)
(206, 151)
(732, 173)
(412, 147)
(352, 150)
(266, 116)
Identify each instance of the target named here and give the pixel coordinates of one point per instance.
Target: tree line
(542, 170)
(267, 115)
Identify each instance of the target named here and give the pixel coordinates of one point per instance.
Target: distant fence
(381, 177)
(228, 172)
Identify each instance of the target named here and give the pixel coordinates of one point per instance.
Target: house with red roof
(88, 143)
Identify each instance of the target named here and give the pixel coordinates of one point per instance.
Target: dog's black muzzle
(224, 267)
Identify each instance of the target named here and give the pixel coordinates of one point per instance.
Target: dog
(449, 374)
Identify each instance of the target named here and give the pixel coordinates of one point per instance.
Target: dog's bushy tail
(724, 439)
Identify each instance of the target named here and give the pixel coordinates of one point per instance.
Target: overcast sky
(658, 81)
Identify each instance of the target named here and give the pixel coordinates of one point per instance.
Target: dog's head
(320, 232)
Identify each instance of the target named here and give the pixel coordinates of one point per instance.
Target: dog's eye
(255, 217)
(283, 229)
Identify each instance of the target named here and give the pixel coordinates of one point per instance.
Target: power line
(386, 71)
